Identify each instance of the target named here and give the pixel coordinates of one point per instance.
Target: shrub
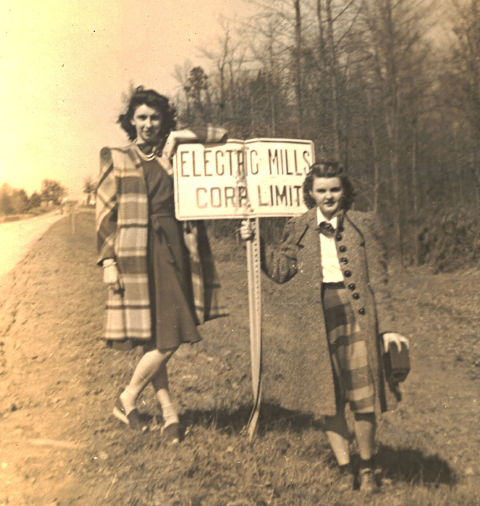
(449, 239)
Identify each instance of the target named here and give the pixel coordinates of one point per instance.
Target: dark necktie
(326, 229)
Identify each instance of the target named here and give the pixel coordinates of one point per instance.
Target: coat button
(351, 286)
(342, 249)
(339, 237)
(356, 295)
(361, 310)
(344, 260)
(347, 274)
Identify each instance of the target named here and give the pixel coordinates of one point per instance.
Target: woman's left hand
(398, 339)
(111, 277)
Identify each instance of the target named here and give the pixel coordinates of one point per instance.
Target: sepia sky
(65, 63)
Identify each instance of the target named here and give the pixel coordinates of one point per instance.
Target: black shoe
(368, 483)
(134, 419)
(344, 480)
(171, 433)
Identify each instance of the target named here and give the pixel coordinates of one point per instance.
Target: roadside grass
(51, 318)
(31, 214)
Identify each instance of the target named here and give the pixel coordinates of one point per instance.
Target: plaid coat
(122, 223)
(298, 368)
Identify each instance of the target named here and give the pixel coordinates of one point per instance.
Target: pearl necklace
(143, 156)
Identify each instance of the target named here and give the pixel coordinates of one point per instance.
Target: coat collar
(131, 151)
(312, 221)
(311, 218)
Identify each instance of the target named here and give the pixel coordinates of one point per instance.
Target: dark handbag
(397, 363)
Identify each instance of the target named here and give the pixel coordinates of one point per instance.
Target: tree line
(15, 201)
(377, 85)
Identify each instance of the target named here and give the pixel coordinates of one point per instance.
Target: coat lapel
(311, 244)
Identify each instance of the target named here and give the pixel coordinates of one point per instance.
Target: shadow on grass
(398, 464)
(273, 418)
(412, 466)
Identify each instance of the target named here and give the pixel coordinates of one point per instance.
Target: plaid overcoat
(298, 368)
(122, 223)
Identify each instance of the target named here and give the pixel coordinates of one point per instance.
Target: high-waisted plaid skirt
(348, 351)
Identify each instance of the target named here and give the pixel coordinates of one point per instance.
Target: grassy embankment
(60, 444)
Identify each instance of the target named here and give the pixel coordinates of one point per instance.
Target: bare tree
(398, 50)
(181, 74)
(358, 77)
(227, 57)
(466, 75)
(297, 52)
(334, 79)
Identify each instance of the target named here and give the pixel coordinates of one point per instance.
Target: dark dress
(173, 316)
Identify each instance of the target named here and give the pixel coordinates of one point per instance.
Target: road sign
(239, 179)
(244, 179)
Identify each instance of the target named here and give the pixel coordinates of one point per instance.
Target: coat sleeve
(378, 274)
(280, 264)
(106, 207)
(203, 134)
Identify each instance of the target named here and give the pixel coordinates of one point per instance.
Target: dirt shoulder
(17, 238)
(59, 444)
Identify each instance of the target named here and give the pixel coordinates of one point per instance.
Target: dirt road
(17, 237)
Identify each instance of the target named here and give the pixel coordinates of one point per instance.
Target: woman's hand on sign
(246, 231)
(393, 337)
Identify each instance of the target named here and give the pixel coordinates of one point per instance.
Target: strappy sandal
(134, 419)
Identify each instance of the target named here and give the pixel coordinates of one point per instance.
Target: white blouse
(332, 273)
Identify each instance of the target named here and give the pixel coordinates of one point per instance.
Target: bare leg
(146, 370)
(365, 434)
(337, 432)
(160, 384)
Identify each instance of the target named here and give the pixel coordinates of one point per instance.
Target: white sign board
(237, 179)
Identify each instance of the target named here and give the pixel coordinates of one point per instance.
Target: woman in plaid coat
(340, 307)
(160, 272)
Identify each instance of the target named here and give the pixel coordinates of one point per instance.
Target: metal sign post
(244, 180)
(255, 313)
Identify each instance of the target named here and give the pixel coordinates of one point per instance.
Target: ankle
(345, 468)
(169, 414)
(128, 400)
(367, 463)
(344, 479)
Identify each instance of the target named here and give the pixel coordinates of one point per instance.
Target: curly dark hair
(328, 169)
(141, 96)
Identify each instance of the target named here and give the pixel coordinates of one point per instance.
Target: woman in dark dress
(160, 271)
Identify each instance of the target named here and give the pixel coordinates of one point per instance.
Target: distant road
(17, 237)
